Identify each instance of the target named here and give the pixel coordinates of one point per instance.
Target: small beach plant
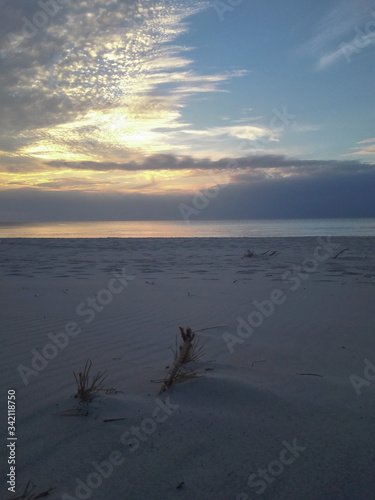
(88, 386)
(249, 253)
(189, 351)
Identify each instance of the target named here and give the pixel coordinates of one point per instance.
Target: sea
(193, 229)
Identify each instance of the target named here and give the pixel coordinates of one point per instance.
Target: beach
(282, 402)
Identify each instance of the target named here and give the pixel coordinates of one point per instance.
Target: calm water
(180, 229)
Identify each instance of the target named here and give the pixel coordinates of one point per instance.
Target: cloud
(285, 165)
(91, 82)
(319, 193)
(364, 148)
(336, 32)
(167, 173)
(367, 141)
(330, 58)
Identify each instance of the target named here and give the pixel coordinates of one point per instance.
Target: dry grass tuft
(29, 495)
(189, 351)
(86, 389)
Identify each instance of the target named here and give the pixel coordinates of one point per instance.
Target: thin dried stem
(341, 251)
(29, 495)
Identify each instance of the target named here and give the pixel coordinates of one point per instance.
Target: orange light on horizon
(120, 181)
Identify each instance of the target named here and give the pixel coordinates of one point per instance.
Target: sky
(184, 109)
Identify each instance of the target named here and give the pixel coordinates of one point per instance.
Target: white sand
(288, 382)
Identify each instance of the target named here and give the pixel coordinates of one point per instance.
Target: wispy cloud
(339, 27)
(366, 141)
(364, 148)
(330, 58)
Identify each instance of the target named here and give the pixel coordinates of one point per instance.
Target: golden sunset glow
(152, 182)
(109, 120)
(150, 99)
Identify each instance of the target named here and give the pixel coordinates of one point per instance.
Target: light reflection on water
(180, 229)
